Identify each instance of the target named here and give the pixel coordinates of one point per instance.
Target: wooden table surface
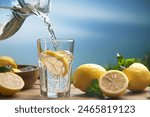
(34, 94)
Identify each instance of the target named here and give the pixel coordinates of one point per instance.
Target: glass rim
(57, 40)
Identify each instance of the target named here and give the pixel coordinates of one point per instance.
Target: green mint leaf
(94, 90)
(5, 69)
(98, 93)
(90, 92)
(129, 62)
(95, 83)
(124, 63)
(120, 59)
(112, 67)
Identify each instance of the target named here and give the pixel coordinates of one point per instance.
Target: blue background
(100, 28)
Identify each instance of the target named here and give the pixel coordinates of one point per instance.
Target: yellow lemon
(139, 77)
(15, 70)
(7, 61)
(10, 83)
(113, 83)
(56, 63)
(85, 73)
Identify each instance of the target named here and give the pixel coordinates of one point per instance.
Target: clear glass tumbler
(55, 63)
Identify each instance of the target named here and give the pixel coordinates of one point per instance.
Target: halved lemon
(113, 83)
(10, 83)
(56, 63)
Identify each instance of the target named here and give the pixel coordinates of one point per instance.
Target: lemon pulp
(113, 83)
(10, 83)
(56, 62)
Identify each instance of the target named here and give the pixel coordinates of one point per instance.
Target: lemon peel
(7, 61)
(139, 77)
(85, 73)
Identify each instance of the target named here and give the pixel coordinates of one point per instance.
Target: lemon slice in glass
(56, 63)
(113, 83)
(10, 83)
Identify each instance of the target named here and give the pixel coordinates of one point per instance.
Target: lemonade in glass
(55, 65)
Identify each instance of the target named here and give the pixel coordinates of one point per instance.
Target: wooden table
(76, 94)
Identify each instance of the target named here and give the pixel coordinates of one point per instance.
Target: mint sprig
(94, 89)
(123, 62)
(5, 69)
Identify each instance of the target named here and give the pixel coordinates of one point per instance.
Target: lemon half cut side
(10, 83)
(113, 83)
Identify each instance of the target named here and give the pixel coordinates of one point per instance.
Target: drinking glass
(55, 66)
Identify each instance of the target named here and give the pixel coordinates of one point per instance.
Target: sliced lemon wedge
(56, 63)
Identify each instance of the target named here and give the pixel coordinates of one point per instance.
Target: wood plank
(76, 94)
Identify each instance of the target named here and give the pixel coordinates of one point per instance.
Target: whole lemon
(84, 75)
(7, 61)
(139, 77)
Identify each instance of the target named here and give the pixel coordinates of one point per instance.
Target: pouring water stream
(18, 16)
